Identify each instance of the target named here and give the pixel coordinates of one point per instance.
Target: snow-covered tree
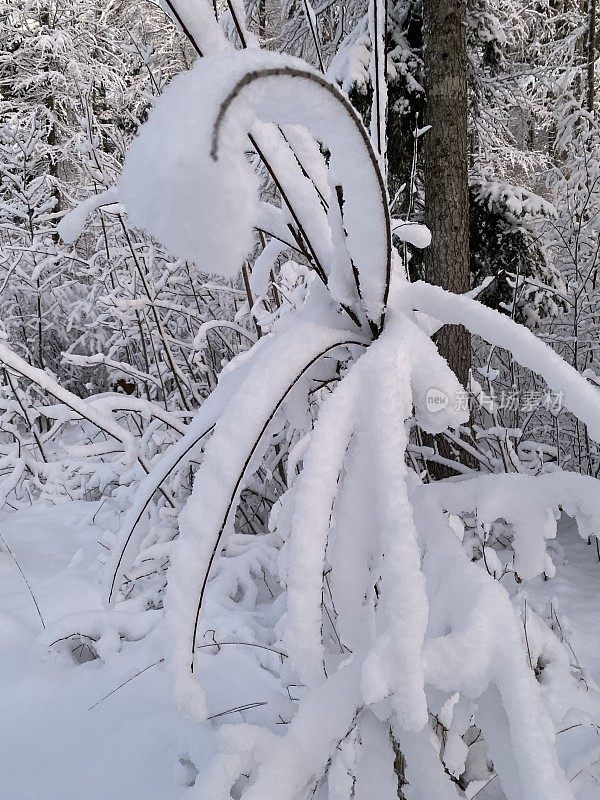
(365, 593)
(222, 354)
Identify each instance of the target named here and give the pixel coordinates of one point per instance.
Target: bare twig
(35, 602)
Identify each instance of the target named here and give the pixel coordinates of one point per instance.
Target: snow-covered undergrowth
(56, 742)
(333, 627)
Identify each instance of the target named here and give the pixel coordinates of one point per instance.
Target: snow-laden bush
(362, 597)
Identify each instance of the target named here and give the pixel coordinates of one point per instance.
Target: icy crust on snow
(530, 504)
(201, 209)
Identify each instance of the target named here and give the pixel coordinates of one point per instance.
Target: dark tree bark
(446, 164)
(591, 56)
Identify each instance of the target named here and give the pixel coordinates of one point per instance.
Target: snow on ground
(56, 744)
(575, 591)
(573, 597)
(53, 744)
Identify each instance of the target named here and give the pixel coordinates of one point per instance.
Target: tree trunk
(591, 56)
(446, 157)
(446, 164)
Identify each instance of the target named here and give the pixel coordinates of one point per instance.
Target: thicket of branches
(241, 312)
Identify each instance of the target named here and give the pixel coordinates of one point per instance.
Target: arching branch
(306, 75)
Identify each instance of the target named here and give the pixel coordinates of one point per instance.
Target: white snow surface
(436, 627)
(54, 744)
(137, 744)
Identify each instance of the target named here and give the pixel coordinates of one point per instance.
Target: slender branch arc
(312, 77)
(240, 477)
(141, 511)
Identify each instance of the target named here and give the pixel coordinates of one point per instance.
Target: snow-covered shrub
(504, 240)
(103, 311)
(405, 654)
